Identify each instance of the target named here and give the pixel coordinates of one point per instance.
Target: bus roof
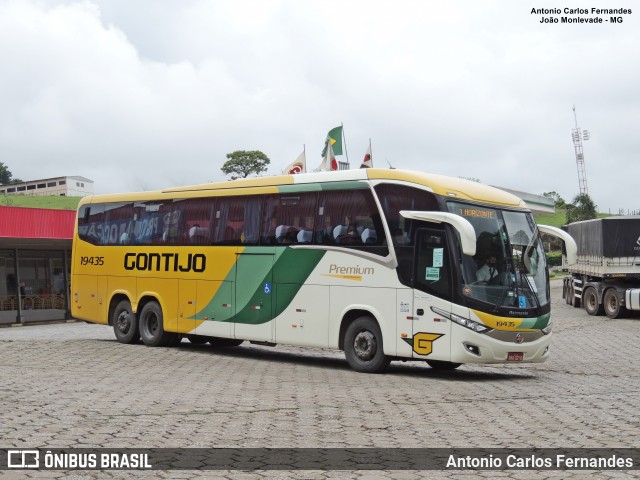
(439, 184)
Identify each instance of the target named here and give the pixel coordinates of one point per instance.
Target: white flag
(367, 162)
(329, 164)
(298, 166)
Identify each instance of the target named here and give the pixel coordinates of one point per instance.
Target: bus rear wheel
(125, 324)
(152, 327)
(363, 346)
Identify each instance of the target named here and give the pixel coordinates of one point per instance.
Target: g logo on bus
(519, 338)
(423, 342)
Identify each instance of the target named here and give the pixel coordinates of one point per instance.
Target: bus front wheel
(152, 327)
(125, 324)
(363, 346)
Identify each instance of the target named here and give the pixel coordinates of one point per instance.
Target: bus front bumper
(468, 346)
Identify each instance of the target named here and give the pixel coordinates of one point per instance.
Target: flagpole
(371, 153)
(344, 140)
(304, 151)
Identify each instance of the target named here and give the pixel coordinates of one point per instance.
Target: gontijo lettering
(166, 262)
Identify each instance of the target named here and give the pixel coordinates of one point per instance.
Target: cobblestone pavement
(73, 385)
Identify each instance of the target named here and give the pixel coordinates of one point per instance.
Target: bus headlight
(464, 322)
(547, 330)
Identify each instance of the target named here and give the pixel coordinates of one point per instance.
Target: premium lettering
(357, 270)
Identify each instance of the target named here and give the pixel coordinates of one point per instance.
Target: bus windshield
(509, 268)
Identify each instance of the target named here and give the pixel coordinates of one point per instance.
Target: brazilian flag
(335, 137)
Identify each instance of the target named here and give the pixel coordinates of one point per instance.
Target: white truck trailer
(606, 276)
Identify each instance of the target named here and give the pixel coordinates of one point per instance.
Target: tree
(242, 163)
(5, 174)
(557, 199)
(582, 208)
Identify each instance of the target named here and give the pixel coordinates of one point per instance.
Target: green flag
(335, 137)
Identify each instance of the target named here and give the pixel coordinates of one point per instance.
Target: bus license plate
(515, 356)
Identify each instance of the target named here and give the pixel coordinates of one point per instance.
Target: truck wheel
(590, 301)
(612, 306)
(363, 346)
(152, 327)
(573, 300)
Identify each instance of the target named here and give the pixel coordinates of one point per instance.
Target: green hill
(559, 218)
(29, 201)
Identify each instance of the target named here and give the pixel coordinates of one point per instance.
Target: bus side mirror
(462, 226)
(569, 243)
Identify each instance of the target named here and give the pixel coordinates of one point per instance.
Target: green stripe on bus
(536, 323)
(316, 187)
(291, 267)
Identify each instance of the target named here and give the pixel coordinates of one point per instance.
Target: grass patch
(29, 201)
(559, 218)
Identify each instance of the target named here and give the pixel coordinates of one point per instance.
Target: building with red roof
(35, 259)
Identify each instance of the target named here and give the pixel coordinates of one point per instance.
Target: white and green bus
(382, 264)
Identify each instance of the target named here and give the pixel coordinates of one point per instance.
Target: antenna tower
(578, 135)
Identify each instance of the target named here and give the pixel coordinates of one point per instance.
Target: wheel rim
(591, 301)
(151, 324)
(365, 345)
(123, 322)
(612, 303)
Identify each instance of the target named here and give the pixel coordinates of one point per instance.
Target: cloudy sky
(146, 94)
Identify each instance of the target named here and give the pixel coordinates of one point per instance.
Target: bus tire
(125, 323)
(152, 326)
(590, 301)
(224, 342)
(612, 306)
(442, 366)
(197, 339)
(363, 346)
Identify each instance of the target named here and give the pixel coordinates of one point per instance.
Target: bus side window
(195, 227)
(394, 199)
(251, 219)
(350, 218)
(229, 221)
(91, 223)
(288, 218)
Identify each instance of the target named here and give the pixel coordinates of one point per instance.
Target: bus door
(253, 295)
(432, 291)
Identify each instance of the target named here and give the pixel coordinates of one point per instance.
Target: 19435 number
(92, 261)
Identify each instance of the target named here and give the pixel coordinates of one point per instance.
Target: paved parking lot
(73, 385)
